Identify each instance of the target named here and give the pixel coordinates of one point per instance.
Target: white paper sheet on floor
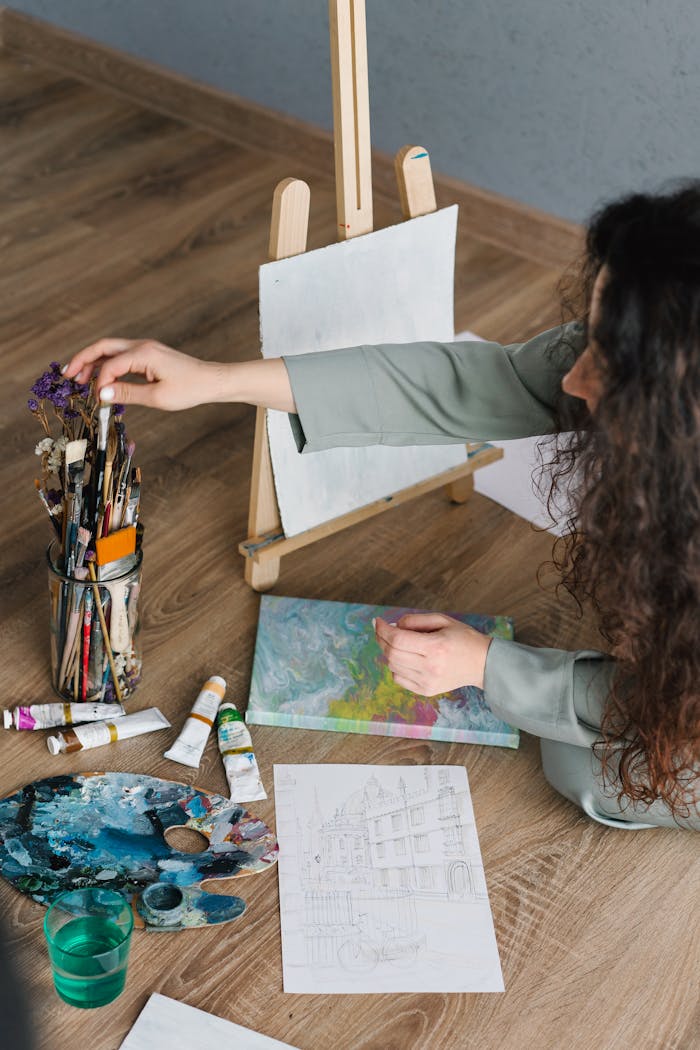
(382, 883)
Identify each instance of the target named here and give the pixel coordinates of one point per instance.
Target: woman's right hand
(173, 380)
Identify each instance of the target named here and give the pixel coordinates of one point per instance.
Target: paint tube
(188, 748)
(236, 750)
(44, 716)
(98, 733)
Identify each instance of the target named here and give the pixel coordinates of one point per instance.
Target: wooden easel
(266, 543)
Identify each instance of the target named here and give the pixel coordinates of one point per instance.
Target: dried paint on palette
(108, 829)
(318, 666)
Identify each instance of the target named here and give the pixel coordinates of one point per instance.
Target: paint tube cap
(54, 745)
(228, 712)
(217, 680)
(7, 719)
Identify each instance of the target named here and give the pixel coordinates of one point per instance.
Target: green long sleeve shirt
(438, 393)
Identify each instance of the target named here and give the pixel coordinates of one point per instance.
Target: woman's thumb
(127, 393)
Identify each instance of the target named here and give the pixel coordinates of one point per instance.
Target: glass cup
(85, 660)
(88, 932)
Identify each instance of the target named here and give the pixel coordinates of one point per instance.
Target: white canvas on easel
(395, 286)
(390, 286)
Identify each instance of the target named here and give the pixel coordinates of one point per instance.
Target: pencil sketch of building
(382, 885)
(416, 841)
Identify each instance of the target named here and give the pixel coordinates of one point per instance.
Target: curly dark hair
(632, 472)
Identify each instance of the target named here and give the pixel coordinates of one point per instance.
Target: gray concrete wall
(556, 103)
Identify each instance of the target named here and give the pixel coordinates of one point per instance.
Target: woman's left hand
(430, 654)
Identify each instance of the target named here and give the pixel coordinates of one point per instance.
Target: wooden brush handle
(105, 632)
(119, 633)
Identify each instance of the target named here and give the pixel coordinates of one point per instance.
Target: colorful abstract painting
(108, 829)
(318, 666)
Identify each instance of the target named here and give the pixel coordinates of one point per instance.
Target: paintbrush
(98, 476)
(116, 557)
(131, 512)
(121, 497)
(107, 496)
(87, 627)
(97, 657)
(71, 635)
(53, 512)
(81, 546)
(75, 465)
(105, 632)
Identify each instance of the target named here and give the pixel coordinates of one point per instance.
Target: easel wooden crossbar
(266, 543)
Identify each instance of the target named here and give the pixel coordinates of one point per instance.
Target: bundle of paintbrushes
(91, 491)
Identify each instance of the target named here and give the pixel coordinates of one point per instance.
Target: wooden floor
(116, 220)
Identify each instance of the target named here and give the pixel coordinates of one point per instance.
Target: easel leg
(460, 491)
(261, 577)
(264, 514)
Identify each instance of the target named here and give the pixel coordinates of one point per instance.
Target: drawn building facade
(411, 841)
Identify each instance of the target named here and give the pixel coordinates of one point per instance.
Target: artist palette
(108, 829)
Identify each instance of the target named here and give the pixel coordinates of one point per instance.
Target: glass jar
(95, 651)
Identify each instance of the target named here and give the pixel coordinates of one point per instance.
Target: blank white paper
(392, 286)
(166, 1024)
(382, 884)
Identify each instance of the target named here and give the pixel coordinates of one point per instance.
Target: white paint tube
(44, 716)
(98, 733)
(236, 750)
(188, 748)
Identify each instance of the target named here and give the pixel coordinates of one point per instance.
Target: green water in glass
(89, 957)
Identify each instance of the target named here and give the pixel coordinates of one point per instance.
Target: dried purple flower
(118, 410)
(70, 413)
(32, 405)
(42, 386)
(55, 367)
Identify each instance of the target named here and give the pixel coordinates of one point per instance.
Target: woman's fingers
(409, 683)
(432, 654)
(394, 638)
(141, 358)
(173, 380)
(82, 365)
(409, 663)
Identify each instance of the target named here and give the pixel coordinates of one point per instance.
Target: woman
(620, 734)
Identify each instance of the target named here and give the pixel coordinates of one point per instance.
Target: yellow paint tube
(236, 750)
(193, 737)
(96, 734)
